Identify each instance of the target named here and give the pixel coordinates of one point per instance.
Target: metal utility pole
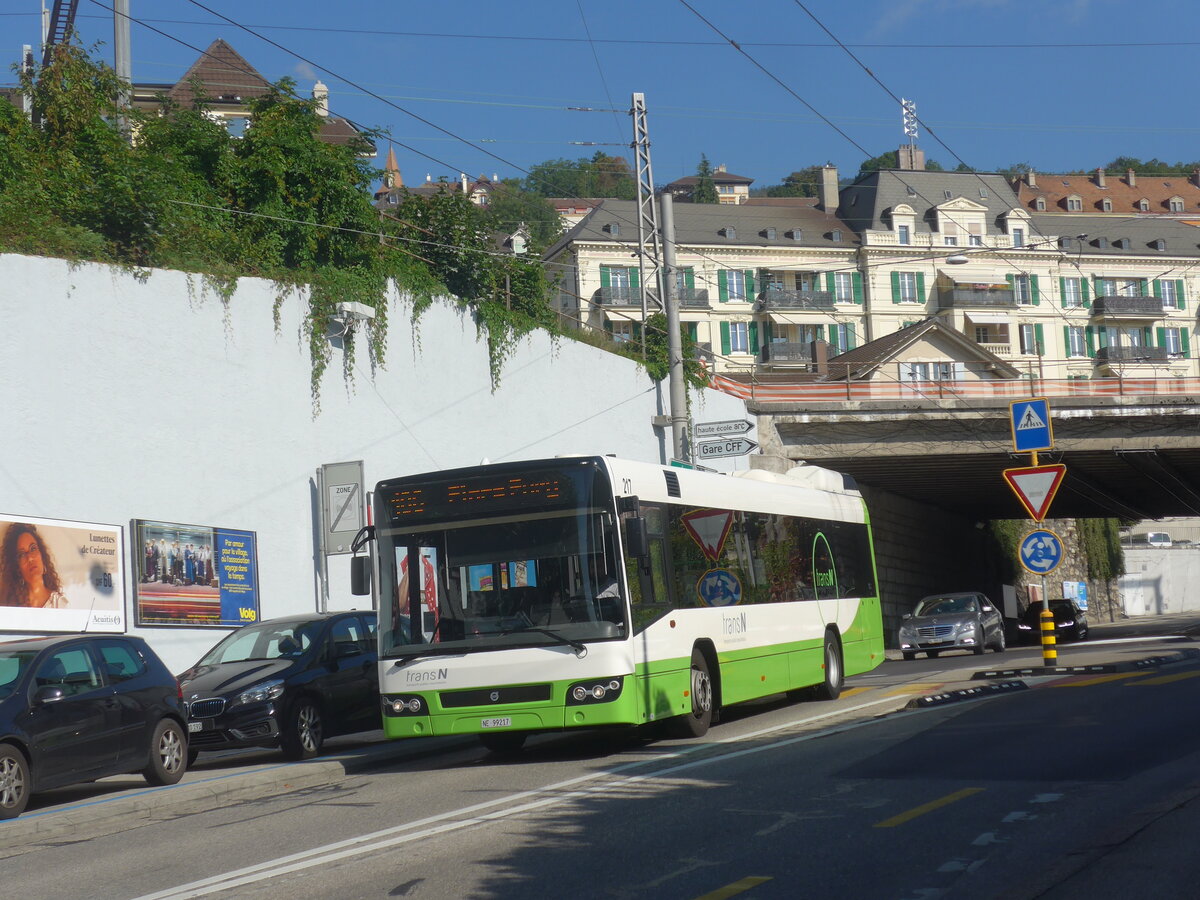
(122, 64)
(649, 248)
(677, 389)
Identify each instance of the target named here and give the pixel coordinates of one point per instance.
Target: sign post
(1040, 553)
(725, 447)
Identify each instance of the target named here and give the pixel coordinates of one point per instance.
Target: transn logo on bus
(426, 677)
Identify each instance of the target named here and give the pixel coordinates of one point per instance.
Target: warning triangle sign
(709, 528)
(1035, 487)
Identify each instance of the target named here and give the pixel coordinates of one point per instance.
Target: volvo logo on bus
(495, 695)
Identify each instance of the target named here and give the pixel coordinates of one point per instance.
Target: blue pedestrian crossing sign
(1041, 551)
(1031, 425)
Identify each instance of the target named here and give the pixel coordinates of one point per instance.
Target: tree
(600, 176)
(801, 183)
(511, 206)
(889, 160)
(705, 191)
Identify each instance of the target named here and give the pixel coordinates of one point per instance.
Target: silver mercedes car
(961, 621)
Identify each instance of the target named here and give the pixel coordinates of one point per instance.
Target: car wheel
(908, 654)
(305, 732)
(168, 754)
(504, 743)
(1001, 642)
(831, 687)
(695, 723)
(14, 782)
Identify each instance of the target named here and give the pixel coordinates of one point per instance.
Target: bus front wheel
(831, 687)
(696, 722)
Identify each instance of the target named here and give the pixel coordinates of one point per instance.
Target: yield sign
(1035, 487)
(709, 528)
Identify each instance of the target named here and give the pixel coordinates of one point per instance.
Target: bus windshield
(487, 562)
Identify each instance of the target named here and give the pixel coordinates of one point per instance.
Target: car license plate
(193, 727)
(503, 722)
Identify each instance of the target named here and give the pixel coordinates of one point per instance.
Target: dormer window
(1101, 243)
(1106, 204)
(1175, 204)
(728, 231)
(912, 191)
(1144, 205)
(903, 235)
(1121, 243)
(1159, 244)
(947, 194)
(768, 233)
(796, 234)
(835, 235)
(1074, 203)
(1066, 243)
(983, 193)
(1040, 204)
(613, 228)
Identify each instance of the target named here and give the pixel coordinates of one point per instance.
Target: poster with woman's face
(57, 575)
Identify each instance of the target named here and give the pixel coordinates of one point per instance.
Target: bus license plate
(505, 722)
(193, 727)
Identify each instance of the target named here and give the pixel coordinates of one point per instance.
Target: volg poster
(59, 575)
(194, 575)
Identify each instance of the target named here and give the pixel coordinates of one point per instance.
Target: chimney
(1099, 178)
(1196, 177)
(428, 178)
(1031, 178)
(820, 357)
(829, 188)
(495, 178)
(1131, 177)
(462, 177)
(721, 167)
(321, 95)
(911, 157)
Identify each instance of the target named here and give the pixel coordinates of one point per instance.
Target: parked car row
(968, 620)
(76, 708)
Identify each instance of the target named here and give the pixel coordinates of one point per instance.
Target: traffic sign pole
(1049, 641)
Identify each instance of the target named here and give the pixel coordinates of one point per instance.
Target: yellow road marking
(928, 807)
(738, 887)
(913, 689)
(1167, 679)
(1098, 679)
(850, 692)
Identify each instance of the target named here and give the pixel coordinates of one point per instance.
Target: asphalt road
(1080, 786)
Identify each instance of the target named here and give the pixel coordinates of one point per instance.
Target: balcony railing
(776, 300)
(1147, 355)
(693, 298)
(959, 298)
(785, 353)
(1003, 348)
(619, 296)
(1115, 307)
(704, 353)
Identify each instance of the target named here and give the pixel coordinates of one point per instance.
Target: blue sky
(1060, 84)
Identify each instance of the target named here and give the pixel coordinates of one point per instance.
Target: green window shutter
(750, 292)
(1162, 336)
(830, 283)
(608, 326)
(768, 332)
(920, 287)
(1147, 335)
(635, 278)
(1039, 340)
(692, 330)
(1009, 279)
(1099, 287)
(850, 342)
(689, 278)
(1184, 344)
(722, 290)
(895, 287)
(1179, 293)
(1089, 336)
(1067, 339)
(753, 337)
(637, 331)
(1145, 287)
(819, 331)
(724, 338)
(1158, 288)
(1085, 292)
(1102, 335)
(1033, 290)
(605, 278)
(856, 284)
(1062, 291)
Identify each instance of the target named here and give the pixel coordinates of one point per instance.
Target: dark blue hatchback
(82, 707)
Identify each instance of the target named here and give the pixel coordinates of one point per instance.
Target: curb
(1092, 669)
(961, 694)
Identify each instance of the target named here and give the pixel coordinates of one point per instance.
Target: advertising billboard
(59, 575)
(194, 575)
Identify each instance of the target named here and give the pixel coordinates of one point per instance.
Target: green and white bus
(589, 591)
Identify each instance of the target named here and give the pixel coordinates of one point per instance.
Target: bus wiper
(579, 648)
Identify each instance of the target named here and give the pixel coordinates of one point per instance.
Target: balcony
(622, 295)
(776, 300)
(704, 353)
(1002, 349)
(786, 354)
(987, 298)
(1110, 306)
(1133, 355)
(693, 298)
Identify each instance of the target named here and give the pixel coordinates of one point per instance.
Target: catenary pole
(675, 383)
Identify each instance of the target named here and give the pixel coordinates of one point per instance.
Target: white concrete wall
(131, 398)
(1160, 580)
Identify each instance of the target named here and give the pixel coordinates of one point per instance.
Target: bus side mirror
(637, 538)
(360, 575)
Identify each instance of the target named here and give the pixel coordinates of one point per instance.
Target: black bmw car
(288, 682)
(1070, 622)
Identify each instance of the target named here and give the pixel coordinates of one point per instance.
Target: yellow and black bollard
(1049, 643)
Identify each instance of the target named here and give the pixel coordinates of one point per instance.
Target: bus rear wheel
(831, 687)
(695, 723)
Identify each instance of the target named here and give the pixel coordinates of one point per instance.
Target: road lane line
(926, 808)
(1167, 679)
(732, 890)
(510, 805)
(1096, 679)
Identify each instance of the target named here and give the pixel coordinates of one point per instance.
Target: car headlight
(260, 693)
(966, 628)
(1070, 623)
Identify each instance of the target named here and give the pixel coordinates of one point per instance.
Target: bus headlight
(603, 690)
(403, 705)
